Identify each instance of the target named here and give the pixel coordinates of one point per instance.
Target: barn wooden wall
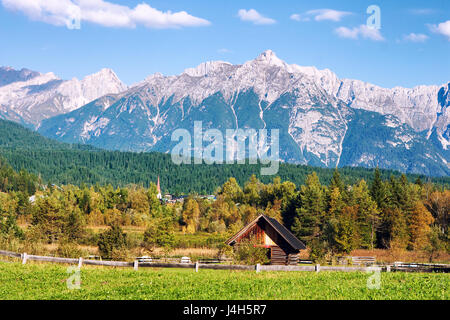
(279, 257)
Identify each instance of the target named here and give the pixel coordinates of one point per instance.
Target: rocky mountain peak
(9, 75)
(206, 68)
(269, 57)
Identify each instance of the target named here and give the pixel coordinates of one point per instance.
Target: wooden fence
(196, 266)
(420, 267)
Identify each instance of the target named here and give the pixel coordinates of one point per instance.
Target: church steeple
(158, 188)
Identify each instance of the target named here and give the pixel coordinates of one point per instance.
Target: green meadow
(45, 281)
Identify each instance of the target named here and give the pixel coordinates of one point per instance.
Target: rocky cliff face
(9, 75)
(35, 97)
(323, 120)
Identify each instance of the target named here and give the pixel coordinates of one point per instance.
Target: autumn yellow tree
(190, 215)
(336, 204)
(420, 227)
(274, 210)
(231, 191)
(439, 206)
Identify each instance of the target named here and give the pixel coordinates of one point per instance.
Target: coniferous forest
(60, 163)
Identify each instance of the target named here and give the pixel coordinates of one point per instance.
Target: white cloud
(254, 16)
(345, 32)
(295, 17)
(104, 13)
(328, 14)
(442, 28)
(321, 15)
(362, 31)
(416, 37)
(299, 17)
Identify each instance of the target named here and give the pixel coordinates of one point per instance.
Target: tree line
(331, 219)
(334, 219)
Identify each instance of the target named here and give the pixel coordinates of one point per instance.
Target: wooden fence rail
(10, 254)
(421, 267)
(196, 266)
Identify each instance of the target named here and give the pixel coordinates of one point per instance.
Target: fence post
(24, 258)
(258, 268)
(80, 262)
(317, 268)
(136, 265)
(388, 268)
(196, 266)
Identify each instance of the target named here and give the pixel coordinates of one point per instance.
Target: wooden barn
(269, 233)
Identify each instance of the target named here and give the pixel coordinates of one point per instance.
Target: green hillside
(62, 163)
(14, 136)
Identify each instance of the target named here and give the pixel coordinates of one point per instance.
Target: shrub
(199, 240)
(247, 252)
(69, 250)
(318, 251)
(74, 229)
(9, 242)
(113, 242)
(160, 233)
(96, 218)
(225, 251)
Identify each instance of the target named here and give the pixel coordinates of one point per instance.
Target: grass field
(45, 281)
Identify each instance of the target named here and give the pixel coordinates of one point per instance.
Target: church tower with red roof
(158, 188)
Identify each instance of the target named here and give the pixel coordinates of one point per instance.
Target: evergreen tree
(49, 217)
(8, 223)
(378, 191)
(160, 233)
(308, 221)
(74, 229)
(113, 242)
(344, 231)
(368, 215)
(252, 191)
(336, 204)
(396, 226)
(336, 182)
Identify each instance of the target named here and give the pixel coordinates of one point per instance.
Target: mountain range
(28, 97)
(323, 120)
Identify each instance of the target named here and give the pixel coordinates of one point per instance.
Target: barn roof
(278, 227)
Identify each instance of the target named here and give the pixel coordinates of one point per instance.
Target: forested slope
(62, 163)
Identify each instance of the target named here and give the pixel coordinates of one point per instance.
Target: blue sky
(138, 38)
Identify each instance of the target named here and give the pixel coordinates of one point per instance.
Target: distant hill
(17, 137)
(63, 163)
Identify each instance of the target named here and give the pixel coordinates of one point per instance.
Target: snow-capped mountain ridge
(9, 75)
(270, 78)
(207, 68)
(417, 106)
(46, 95)
(323, 120)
